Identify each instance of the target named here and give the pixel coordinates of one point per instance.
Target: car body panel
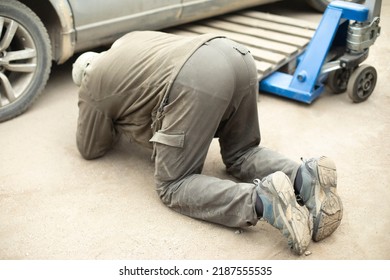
(198, 9)
(65, 40)
(98, 23)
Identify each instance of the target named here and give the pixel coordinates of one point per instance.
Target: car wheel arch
(57, 18)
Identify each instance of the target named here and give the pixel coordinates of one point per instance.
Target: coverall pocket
(172, 140)
(168, 153)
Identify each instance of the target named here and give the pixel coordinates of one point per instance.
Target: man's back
(128, 82)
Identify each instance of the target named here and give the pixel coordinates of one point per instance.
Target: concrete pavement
(55, 205)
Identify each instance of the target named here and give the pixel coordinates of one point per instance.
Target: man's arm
(95, 132)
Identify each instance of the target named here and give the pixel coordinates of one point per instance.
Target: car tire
(25, 58)
(320, 5)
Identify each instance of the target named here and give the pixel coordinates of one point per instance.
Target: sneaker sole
(297, 219)
(330, 213)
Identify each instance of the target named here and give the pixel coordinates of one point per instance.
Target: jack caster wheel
(338, 80)
(362, 83)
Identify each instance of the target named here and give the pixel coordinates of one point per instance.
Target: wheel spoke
(1, 25)
(8, 36)
(22, 54)
(7, 88)
(361, 93)
(18, 67)
(19, 55)
(361, 90)
(360, 84)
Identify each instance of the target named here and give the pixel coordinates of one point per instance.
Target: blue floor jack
(333, 56)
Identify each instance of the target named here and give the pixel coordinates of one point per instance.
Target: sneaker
(319, 194)
(282, 211)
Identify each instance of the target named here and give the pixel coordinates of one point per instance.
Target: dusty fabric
(177, 94)
(124, 87)
(214, 95)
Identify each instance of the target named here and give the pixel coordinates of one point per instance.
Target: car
(35, 34)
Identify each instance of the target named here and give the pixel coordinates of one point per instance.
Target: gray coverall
(175, 94)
